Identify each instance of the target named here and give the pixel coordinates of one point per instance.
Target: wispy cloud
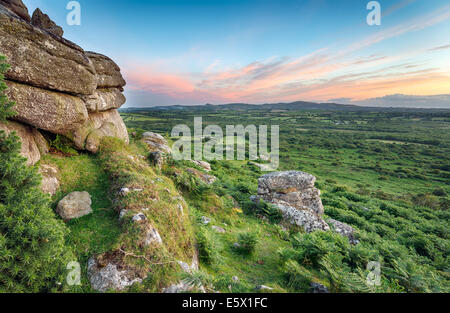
(320, 75)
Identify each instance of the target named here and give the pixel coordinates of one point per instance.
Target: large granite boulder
(99, 125)
(108, 72)
(44, 22)
(48, 110)
(309, 220)
(39, 58)
(74, 205)
(104, 99)
(293, 192)
(293, 187)
(33, 143)
(56, 85)
(17, 7)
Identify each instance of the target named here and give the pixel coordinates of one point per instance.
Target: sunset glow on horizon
(260, 51)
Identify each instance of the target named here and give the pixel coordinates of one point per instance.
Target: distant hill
(292, 106)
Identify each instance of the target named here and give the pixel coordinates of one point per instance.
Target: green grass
(95, 233)
(389, 200)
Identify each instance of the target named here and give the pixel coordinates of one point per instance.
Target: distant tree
(33, 256)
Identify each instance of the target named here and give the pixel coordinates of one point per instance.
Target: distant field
(387, 174)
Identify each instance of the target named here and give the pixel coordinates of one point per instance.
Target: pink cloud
(321, 75)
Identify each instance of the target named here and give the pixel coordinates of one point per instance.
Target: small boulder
(50, 181)
(44, 22)
(156, 142)
(122, 214)
(184, 266)
(152, 236)
(109, 277)
(74, 205)
(203, 164)
(318, 288)
(205, 220)
(139, 217)
(218, 229)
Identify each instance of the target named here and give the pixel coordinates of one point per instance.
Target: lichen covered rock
(74, 205)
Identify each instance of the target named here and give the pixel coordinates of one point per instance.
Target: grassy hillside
(385, 174)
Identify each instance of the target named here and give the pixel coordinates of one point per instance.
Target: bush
(262, 208)
(33, 257)
(247, 242)
(208, 246)
(440, 192)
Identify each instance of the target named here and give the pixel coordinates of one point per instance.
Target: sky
(257, 51)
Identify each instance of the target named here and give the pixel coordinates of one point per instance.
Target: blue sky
(217, 51)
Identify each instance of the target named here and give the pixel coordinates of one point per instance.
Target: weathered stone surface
(99, 125)
(44, 22)
(17, 7)
(283, 182)
(109, 277)
(344, 230)
(156, 142)
(74, 205)
(108, 72)
(295, 188)
(104, 99)
(304, 218)
(206, 178)
(152, 236)
(203, 164)
(294, 194)
(52, 111)
(44, 60)
(318, 288)
(50, 181)
(33, 143)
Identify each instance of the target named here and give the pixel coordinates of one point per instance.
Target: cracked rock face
(56, 85)
(294, 194)
(109, 277)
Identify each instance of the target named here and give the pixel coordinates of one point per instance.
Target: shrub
(33, 257)
(247, 242)
(440, 192)
(208, 246)
(262, 208)
(297, 277)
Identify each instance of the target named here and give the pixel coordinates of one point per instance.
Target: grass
(95, 233)
(385, 190)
